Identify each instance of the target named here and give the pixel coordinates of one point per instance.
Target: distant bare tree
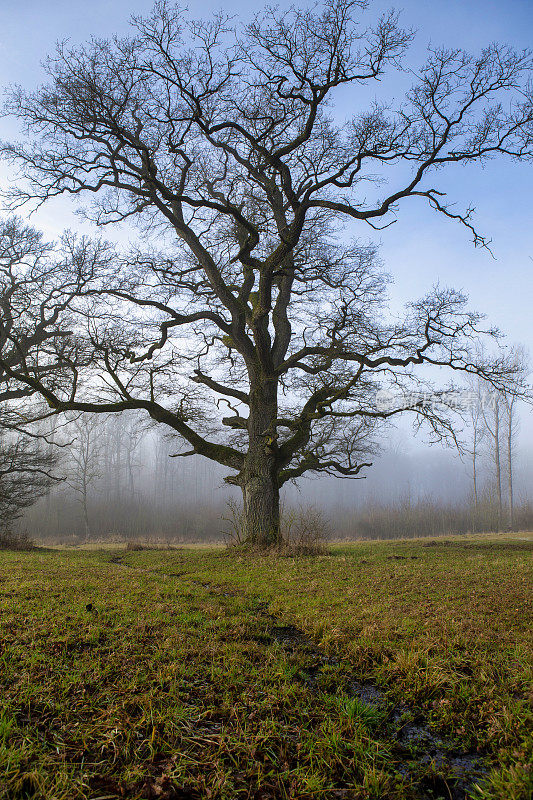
(162, 463)
(85, 457)
(123, 435)
(492, 413)
(135, 432)
(495, 415)
(222, 144)
(477, 435)
(512, 427)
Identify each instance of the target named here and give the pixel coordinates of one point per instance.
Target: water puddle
(289, 635)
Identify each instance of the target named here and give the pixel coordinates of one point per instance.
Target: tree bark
(261, 510)
(260, 483)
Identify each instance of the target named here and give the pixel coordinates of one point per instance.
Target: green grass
(173, 686)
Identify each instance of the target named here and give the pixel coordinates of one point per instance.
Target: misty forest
(265, 473)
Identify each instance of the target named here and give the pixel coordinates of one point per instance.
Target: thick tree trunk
(260, 485)
(261, 510)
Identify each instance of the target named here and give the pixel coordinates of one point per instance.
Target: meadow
(397, 670)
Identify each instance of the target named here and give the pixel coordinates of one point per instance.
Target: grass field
(382, 670)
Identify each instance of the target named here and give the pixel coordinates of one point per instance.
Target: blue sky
(421, 248)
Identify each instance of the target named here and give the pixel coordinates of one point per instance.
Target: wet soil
(447, 772)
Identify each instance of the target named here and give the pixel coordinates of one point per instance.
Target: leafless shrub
(234, 534)
(135, 546)
(15, 541)
(304, 532)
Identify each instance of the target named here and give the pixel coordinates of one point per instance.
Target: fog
(120, 480)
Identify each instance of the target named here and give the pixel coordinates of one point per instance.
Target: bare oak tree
(224, 145)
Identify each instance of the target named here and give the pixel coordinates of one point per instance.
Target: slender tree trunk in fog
(86, 516)
(86, 454)
(493, 428)
(497, 462)
(85, 485)
(474, 478)
(509, 435)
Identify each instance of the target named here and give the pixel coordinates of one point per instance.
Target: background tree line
(121, 483)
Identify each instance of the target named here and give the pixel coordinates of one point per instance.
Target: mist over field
(137, 490)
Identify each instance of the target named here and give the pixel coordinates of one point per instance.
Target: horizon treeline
(118, 480)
